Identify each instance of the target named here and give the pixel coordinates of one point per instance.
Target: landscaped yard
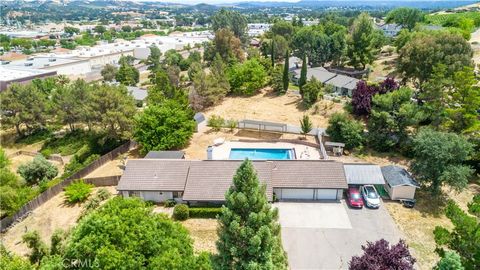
(203, 233)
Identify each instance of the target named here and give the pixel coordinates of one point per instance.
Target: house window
(177, 194)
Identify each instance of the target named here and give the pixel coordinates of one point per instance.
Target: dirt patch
(114, 167)
(203, 233)
(268, 106)
(52, 215)
(383, 67)
(16, 161)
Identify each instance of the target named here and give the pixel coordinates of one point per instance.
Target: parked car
(354, 199)
(370, 196)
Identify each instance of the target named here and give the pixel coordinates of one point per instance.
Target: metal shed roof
(363, 174)
(398, 176)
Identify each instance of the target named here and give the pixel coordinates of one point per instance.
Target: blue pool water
(261, 154)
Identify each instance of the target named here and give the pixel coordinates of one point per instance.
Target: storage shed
(399, 183)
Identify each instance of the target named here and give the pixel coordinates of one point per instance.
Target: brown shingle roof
(308, 174)
(210, 180)
(150, 174)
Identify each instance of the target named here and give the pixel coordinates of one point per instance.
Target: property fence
(6, 222)
(322, 147)
(262, 125)
(58, 159)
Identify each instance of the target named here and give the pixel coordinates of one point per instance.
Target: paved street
(326, 235)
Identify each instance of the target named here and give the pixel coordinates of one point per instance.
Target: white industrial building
(21, 75)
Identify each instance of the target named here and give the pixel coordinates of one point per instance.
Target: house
(363, 174)
(138, 94)
(341, 84)
(399, 183)
(165, 155)
(207, 181)
(390, 29)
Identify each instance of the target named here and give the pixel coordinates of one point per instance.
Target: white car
(370, 196)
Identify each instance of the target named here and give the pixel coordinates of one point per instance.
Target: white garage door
(296, 193)
(326, 194)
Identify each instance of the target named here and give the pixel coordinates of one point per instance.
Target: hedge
(181, 212)
(205, 212)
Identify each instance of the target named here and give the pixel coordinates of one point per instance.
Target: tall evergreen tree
(286, 79)
(249, 233)
(303, 73)
(272, 52)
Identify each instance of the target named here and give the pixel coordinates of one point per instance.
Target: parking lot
(325, 235)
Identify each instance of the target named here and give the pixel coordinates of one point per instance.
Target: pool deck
(300, 151)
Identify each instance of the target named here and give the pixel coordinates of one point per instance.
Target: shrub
(39, 169)
(181, 212)
(311, 92)
(103, 194)
(231, 124)
(204, 212)
(216, 122)
(170, 203)
(341, 128)
(78, 191)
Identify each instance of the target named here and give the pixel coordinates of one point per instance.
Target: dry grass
(53, 214)
(203, 233)
(418, 223)
(268, 106)
(384, 66)
(16, 161)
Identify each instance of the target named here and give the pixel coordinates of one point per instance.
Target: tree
(425, 51)
(162, 88)
(38, 248)
(474, 205)
(69, 103)
(194, 69)
(277, 79)
(272, 52)
(127, 74)
(303, 73)
(247, 78)
(165, 126)
(100, 29)
(286, 73)
(209, 89)
(249, 233)
(406, 17)
(306, 125)
(392, 116)
(112, 109)
(71, 30)
(231, 20)
(9, 260)
(439, 159)
(153, 59)
(24, 105)
(312, 91)
(362, 98)
(342, 128)
(360, 47)
(380, 255)
(463, 238)
(109, 72)
(282, 28)
(313, 42)
(172, 58)
(228, 46)
(39, 169)
(124, 233)
(450, 261)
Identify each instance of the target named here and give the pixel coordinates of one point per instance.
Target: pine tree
(249, 234)
(303, 73)
(285, 73)
(272, 52)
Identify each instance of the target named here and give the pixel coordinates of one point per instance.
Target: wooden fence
(6, 222)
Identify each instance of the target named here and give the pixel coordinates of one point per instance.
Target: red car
(354, 199)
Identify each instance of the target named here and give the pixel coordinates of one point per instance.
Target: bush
(216, 122)
(37, 170)
(311, 92)
(103, 194)
(170, 203)
(181, 212)
(78, 191)
(204, 212)
(341, 128)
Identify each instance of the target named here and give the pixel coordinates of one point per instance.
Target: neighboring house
(207, 181)
(341, 84)
(139, 94)
(399, 183)
(390, 29)
(294, 63)
(165, 155)
(363, 174)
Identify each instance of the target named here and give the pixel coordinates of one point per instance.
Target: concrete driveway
(319, 235)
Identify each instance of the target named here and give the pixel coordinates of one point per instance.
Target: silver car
(370, 196)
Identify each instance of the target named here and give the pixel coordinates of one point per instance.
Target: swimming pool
(261, 154)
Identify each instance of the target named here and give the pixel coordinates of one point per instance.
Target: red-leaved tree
(362, 98)
(388, 85)
(381, 256)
